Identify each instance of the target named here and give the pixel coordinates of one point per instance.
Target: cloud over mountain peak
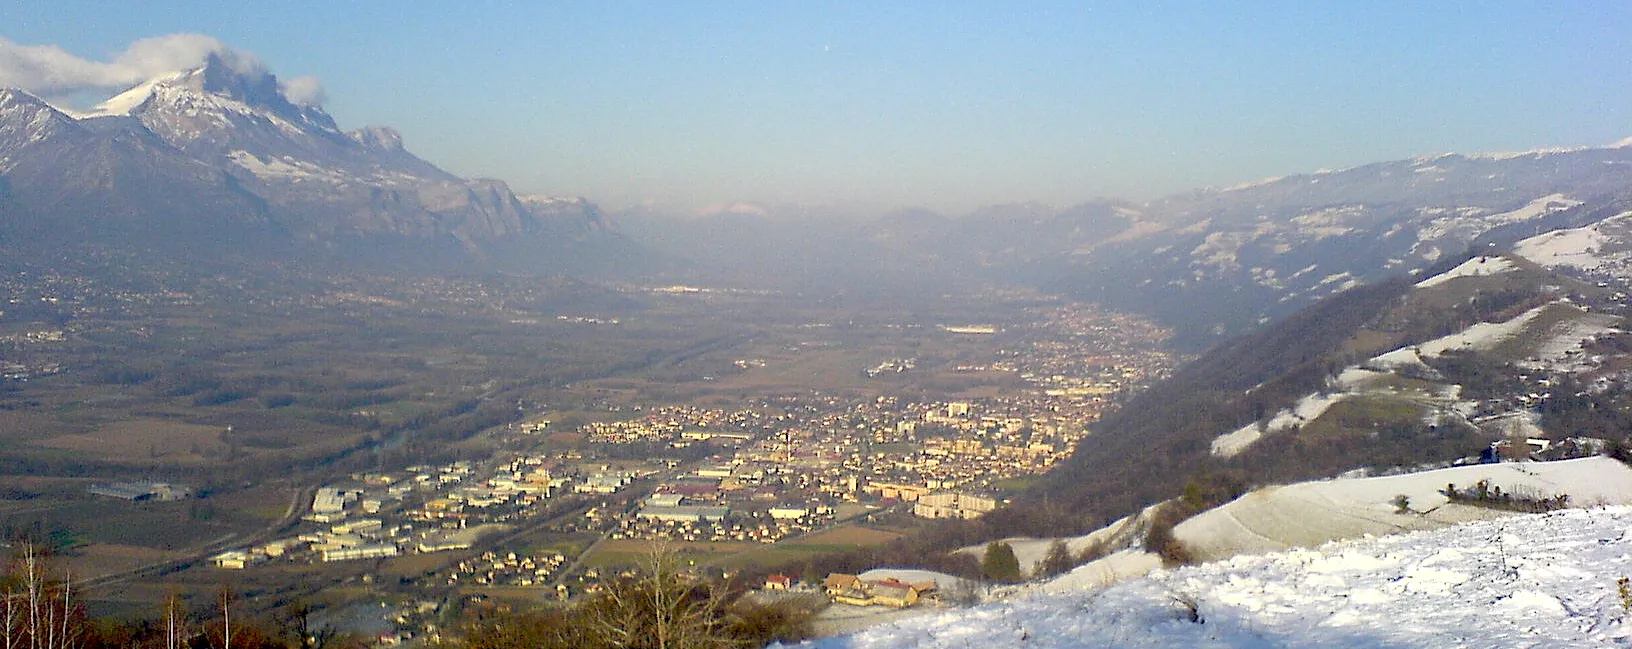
(52, 72)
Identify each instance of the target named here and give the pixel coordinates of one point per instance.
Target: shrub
(1095, 550)
(1159, 539)
(1483, 494)
(1057, 561)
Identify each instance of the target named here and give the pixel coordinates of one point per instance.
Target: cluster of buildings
(894, 365)
(140, 491)
(890, 592)
(434, 508)
(679, 423)
(508, 569)
(24, 363)
(670, 516)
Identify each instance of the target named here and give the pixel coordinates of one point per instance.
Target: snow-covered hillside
(1543, 580)
(1306, 514)
(1598, 249)
(1310, 513)
(1552, 337)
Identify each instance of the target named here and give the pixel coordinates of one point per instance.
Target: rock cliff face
(221, 153)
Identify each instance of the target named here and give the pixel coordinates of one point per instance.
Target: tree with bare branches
(39, 609)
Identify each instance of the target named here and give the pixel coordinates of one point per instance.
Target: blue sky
(949, 105)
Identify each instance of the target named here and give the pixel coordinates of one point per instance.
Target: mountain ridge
(226, 139)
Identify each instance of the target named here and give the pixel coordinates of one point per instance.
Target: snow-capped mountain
(68, 179)
(227, 138)
(1238, 256)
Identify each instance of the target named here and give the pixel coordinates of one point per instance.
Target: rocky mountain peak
(224, 86)
(26, 119)
(378, 137)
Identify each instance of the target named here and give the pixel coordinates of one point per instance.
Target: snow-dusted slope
(1544, 580)
(1476, 267)
(1603, 248)
(1310, 513)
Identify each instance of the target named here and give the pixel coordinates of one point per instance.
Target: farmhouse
(852, 590)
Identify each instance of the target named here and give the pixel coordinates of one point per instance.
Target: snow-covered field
(1310, 513)
(1544, 580)
(1595, 248)
(1305, 597)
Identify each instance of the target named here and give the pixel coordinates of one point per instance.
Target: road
(298, 504)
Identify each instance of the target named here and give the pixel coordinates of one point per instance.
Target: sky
(947, 105)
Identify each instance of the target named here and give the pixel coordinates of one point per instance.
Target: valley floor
(1540, 580)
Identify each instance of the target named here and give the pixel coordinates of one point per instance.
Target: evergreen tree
(1000, 564)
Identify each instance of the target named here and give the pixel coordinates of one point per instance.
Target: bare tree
(225, 597)
(175, 621)
(660, 609)
(40, 613)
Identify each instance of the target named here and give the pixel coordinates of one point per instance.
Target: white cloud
(304, 91)
(52, 71)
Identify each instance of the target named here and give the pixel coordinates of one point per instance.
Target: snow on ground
(1576, 247)
(1558, 347)
(1481, 336)
(1232, 443)
(1311, 513)
(1462, 225)
(1031, 551)
(1526, 423)
(1597, 248)
(1476, 267)
(286, 168)
(1541, 580)
(1565, 343)
(1307, 409)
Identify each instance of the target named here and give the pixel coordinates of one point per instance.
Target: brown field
(850, 535)
(135, 439)
(626, 552)
(21, 426)
(636, 546)
(414, 565)
(513, 593)
(105, 558)
(792, 551)
(265, 503)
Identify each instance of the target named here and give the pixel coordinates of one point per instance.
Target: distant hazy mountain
(1228, 259)
(1210, 262)
(220, 155)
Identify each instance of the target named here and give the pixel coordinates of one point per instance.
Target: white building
(374, 551)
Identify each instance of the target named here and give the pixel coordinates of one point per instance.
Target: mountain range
(1211, 263)
(218, 160)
